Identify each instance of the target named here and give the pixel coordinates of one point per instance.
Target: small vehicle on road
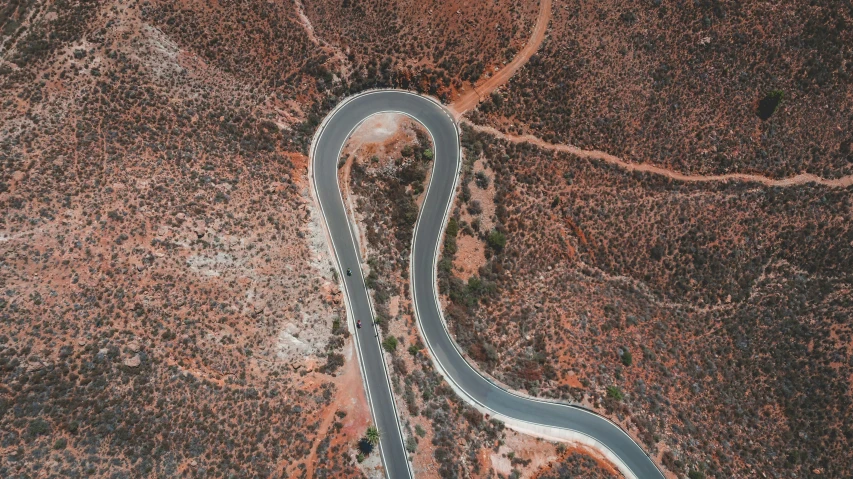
(349, 272)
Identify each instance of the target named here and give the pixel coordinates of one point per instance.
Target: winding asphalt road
(473, 387)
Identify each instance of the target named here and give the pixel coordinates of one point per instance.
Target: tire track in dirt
(470, 99)
(801, 179)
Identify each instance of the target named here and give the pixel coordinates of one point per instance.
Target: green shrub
(482, 180)
(333, 362)
(614, 392)
(390, 344)
(452, 227)
(450, 247)
(496, 240)
(372, 435)
(38, 427)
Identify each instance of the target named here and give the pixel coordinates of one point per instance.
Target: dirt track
(801, 179)
(470, 99)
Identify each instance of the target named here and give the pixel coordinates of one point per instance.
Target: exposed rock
(133, 362)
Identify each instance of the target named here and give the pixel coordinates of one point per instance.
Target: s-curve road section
(474, 388)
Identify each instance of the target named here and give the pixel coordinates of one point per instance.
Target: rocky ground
(710, 320)
(168, 304)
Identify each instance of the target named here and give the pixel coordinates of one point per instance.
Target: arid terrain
(384, 174)
(168, 305)
(711, 320)
(702, 87)
(654, 221)
(436, 47)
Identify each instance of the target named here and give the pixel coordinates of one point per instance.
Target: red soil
(469, 100)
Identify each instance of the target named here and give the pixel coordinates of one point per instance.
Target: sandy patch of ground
(470, 255)
(484, 197)
(573, 381)
(394, 306)
(384, 133)
(349, 401)
(522, 448)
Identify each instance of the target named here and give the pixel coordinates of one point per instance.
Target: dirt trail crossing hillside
(470, 99)
(801, 179)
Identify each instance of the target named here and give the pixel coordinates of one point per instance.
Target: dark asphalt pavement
(428, 230)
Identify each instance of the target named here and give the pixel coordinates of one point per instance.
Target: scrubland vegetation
(700, 87)
(572, 465)
(433, 47)
(164, 311)
(155, 252)
(386, 201)
(713, 320)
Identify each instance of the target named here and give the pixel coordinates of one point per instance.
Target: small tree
(39, 427)
(482, 180)
(626, 358)
(372, 435)
(475, 208)
(768, 105)
(411, 444)
(614, 393)
(390, 344)
(496, 240)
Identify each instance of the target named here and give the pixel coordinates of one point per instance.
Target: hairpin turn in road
(474, 388)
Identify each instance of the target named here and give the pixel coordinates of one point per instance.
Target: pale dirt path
(801, 179)
(306, 23)
(470, 99)
(309, 29)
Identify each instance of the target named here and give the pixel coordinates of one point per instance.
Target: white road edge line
(341, 281)
(519, 424)
(535, 429)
